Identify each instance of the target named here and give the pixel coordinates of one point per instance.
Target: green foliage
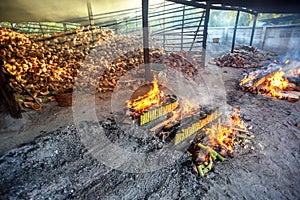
(39, 28)
(221, 18)
(278, 19)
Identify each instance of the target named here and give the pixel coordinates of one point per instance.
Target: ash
(56, 165)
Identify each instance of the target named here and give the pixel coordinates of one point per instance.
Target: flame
(235, 119)
(222, 135)
(246, 80)
(275, 83)
(142, 103)
(187, 107)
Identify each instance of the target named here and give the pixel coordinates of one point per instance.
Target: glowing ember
(275, 83)
(142, 103)
(287, 61)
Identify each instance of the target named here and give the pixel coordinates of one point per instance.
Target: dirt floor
(44, 156)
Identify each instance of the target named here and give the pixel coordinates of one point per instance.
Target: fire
(187, 107)
(275, 83)
(218, 142)
(142, 103)
(222, 135)
(235, 120)
(246, 80)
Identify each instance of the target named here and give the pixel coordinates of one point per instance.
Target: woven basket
(64, 99)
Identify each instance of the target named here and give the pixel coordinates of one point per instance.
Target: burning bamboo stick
(212, 152)
(236, 129)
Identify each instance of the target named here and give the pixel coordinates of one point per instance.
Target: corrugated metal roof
(58, 10)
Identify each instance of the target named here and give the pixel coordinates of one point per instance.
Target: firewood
(291, 96)
(242, 57)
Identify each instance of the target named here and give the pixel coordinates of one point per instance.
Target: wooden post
(253, 29)
(145, 6)
(234, 31)
(41, 29)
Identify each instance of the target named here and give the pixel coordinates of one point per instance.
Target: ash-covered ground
(57, 165)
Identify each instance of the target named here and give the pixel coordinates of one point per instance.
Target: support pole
(90, 12)
(234, 31)
(65, 27)
(182, 26)
(42, 29)
(253, 29)
(164, 21)
(145, 6)
(91, 19)
(207, 11)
